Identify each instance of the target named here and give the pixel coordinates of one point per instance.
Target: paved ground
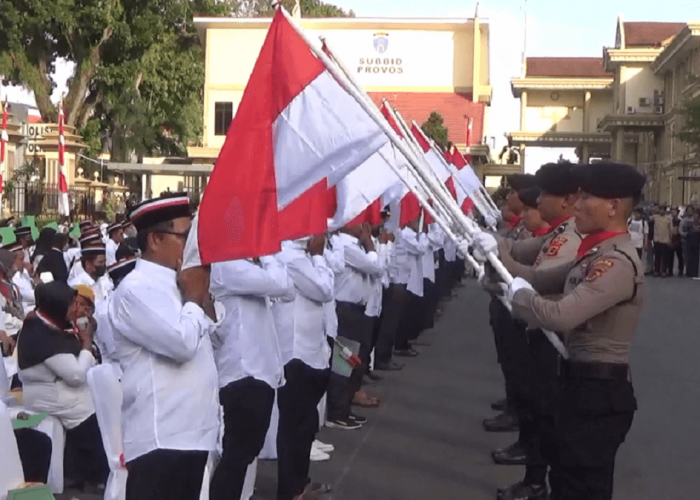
(427, 442)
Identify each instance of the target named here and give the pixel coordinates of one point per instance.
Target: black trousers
(662, 253)
(392, 306)
(536, 406)
(353, 324)
(430, 303)
(171, 474)
(298, 423)
(411, 320)
(35, 454)
(247, 410)
(592, 418)
(692, 245)
(512, 351)
(84, 457)
(675, 251)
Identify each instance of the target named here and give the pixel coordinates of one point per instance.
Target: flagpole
(361, 97)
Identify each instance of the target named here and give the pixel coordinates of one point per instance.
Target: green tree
(309, 8)
(690, 132)
(434, 127)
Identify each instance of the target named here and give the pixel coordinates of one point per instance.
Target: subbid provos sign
(379, 65)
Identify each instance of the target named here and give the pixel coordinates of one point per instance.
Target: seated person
(54, 358)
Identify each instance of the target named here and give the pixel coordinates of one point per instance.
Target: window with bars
(223, 114)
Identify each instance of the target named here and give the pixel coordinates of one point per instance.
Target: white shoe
(322, 446)
(318, 455)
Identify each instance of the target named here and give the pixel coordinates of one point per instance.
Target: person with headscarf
(22, 279)
(54, 261)
(54, 357)
(12, 313)
(43, 245)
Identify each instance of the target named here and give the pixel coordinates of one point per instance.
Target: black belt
(350, 305)
(599, 371)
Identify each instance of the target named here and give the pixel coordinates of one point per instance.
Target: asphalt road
(426, 440)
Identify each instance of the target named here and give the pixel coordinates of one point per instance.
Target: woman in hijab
(43, 244)
(11, 312)
(54, 261)
(54, 358)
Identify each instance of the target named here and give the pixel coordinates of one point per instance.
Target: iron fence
(40, 199)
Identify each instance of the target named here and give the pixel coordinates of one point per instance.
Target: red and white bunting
(3, 135)
(63, 205)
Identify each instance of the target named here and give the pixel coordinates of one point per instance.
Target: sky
(554, 28)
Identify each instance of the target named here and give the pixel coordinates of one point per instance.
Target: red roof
(33, 119)
(571, 67)
(455, 108)
(649, 34)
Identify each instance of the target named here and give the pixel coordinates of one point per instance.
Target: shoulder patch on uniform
(555, 246)
(599, 268)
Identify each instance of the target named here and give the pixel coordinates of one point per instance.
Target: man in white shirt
(115, 234)
(88, 237)
(23, 234)
(305, 353)
(93, 273)
(161, 321)
(430, 292)
(22, 279)
(352, 294)
(248, 360)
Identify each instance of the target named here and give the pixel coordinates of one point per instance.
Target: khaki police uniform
(597, 317)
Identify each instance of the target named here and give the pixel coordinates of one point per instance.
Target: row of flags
(302, 156)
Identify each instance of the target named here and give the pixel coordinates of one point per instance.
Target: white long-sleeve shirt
(169, 376)
(102, 287)
(111, 251)
(335, 258)
(413, 246)
(378, 283)
(301, 322)
(435, 241)
(25, 285)
(352, 284)
(246, 342)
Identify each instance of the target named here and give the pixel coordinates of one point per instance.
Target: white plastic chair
(107, 396)
(11, 472)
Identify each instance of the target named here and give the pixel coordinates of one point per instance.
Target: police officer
(506, 332)
(532, 260)
(597, 317)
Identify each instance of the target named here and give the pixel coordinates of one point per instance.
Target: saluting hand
(316, 244)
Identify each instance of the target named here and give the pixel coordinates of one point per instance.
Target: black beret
(521, 181)
(529, 196)
(152, 212)
(607, 179)
(557, 179)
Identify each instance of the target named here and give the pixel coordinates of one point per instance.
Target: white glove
(485, 243)
(517, 284)
(463, 247)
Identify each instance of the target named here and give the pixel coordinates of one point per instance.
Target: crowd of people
(204, 356)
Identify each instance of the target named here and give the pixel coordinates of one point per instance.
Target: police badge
(381, 42)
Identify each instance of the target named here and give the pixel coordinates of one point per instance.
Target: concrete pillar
(523, 110)
(587, 112)
(585, 153)
(618, 145)
(522, 158)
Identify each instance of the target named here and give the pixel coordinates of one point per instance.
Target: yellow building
(418, 65)
(627, 106)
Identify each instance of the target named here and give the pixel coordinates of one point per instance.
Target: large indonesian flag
(296, 130)
(63, 205)
(3, 140)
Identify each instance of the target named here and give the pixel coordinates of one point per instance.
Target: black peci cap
(529, 196)
(93, 249)
(23, 231)
(152, 212)
(557, 179)
(114, 226)
(610, 180)
(521, 181)
(13, 247)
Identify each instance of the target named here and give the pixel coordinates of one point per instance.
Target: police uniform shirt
(301, 322)
(530, 259)
(602, 302)
(352, 284)
(246, 343)
(169, 376)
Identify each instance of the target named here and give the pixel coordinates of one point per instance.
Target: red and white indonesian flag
(296, 130)
(436, 164)
(63, 205)
(3, 134)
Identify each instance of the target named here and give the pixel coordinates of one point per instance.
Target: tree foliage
(690, 132)
(434, 127)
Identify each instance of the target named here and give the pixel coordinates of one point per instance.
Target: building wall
(600, 106)
(640, 82)
(419, 61)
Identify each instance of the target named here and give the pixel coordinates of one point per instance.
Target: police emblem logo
(599, 268)
(555, 246)
(381, 42)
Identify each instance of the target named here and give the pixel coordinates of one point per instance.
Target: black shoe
(343, 423)
(388, 366)
(358, 419)
(507, 448)
(406, 353)
(500, 405)
(505, 422)
(373, 376)
(513, 455)
(522, 491)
